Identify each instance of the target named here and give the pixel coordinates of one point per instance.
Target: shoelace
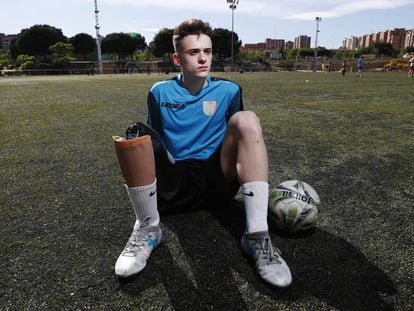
(138, 237)
(137, 240)
(269, 252)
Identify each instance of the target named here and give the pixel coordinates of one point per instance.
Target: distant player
(343, 70)
(201, 145)
(360, 65)
(411, 67)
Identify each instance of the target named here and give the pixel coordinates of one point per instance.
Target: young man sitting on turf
(198, 143)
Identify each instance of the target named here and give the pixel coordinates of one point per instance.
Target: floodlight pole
(315, 53)
(98, 39)
(232, 6)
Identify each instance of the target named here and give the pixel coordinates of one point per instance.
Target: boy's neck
(193, 85)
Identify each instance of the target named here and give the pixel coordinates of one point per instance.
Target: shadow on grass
(211, 273)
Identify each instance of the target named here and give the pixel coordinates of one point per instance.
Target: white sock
(255, 198)
(144, 202)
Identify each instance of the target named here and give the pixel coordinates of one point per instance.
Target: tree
(119, 43)
(380, 48)
(62, 53)
(324, 52)
(221, 39)
(363, 51)
(292, 53)
(252, 56)
(162, 43)
(5, 59)
(140, 43)
(146, 55)
(409, 49)
(25, 61)
(37, 39)
(83, 44)
(307, 52)
(14, 50)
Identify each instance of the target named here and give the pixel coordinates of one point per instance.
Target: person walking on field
(343, 70)
(198, 145)
(360, 65)
(411, 67)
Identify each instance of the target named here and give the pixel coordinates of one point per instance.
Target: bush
(397, 64)
(288, 64)
(44, 66)
(5, 59)
(25, 61)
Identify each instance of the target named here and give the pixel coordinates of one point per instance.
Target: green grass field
(65, 216)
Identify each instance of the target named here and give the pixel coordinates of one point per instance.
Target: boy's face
(194, 55)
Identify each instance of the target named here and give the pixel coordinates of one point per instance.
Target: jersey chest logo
(209, 107)
(173, 106)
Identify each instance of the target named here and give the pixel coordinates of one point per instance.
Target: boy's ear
(176, 59)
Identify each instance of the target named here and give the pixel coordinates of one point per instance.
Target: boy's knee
(246, 122)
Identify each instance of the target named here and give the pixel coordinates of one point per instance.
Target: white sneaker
(269, 265)
(143, 240)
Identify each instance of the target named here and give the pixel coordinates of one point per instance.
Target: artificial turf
(65, 215)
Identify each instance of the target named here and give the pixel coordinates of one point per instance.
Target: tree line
(43, 46)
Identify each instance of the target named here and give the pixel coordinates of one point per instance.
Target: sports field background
(65, 216)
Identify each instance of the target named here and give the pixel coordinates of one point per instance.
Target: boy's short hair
(190, 27)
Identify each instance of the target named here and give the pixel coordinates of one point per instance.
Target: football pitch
(65, 215)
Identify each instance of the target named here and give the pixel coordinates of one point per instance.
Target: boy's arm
(154, 119)
(236, 104)
(155, 125)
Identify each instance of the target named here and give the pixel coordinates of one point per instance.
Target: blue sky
(255, 20)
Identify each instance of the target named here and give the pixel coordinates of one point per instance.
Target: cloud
(298, 9)
(152, 30)
(212, 5)
(342, 8)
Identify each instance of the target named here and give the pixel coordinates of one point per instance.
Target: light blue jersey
(360, 63)
(192, 126)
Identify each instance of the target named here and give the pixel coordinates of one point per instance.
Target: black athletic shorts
(191, 183)
(188, 184)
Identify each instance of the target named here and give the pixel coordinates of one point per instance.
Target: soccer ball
(294, 206)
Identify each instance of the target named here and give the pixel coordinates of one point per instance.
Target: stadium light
(98, 39)
(232, 5)
(315, 53)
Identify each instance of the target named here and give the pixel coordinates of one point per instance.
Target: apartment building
(5, 41)
(275, 43)
(409, 38)
(268, 44)
(254, 46)
(398, 37)
(351, 43)
(302, 42)
(289, 45)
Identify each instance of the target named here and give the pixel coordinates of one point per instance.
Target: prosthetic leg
(143, 158)
(136, 159)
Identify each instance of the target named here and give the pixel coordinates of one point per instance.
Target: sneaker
(270, 266)
(143, 240)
